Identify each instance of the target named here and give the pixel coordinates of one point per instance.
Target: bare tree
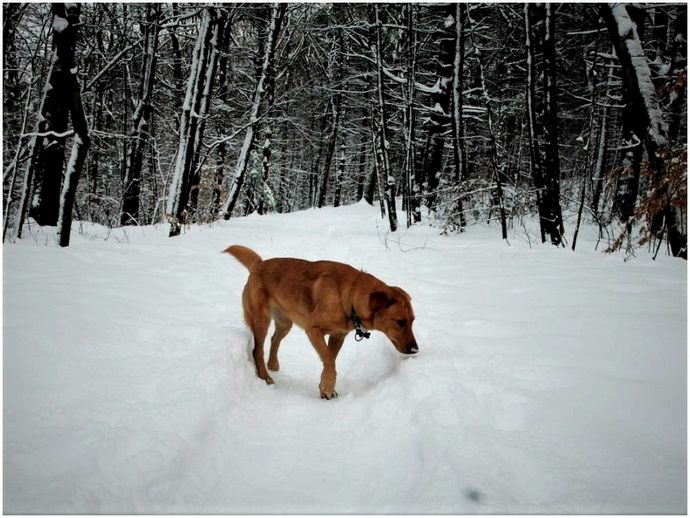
(277, 14)
(141, 119)
(649, 122)
(61, 97)
(386, 181)
(545, 170)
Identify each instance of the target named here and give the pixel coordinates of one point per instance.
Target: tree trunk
(80, 147)
(552, 166)
(181, 181)
(335, 76)
(339, 175)
(361, 173)
(223, 95)
(43, 172)
(141, 121)
(546, 182)
(50, 149)
(263, 191)
(441, 99)
(335, 107)
(277, 13)
(459, 155)
(215, 43)
(385, 176)
(602, 149)
(411, 191)
(676, 84)
(649, 122)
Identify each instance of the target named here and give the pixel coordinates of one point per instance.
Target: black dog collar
(360, 330)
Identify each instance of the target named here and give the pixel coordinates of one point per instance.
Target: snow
(60, 24)
(547, 381)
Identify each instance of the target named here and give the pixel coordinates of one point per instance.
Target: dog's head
(392, 315)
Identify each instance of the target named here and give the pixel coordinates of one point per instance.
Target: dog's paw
(273, 365)
(328, 394)
(268, 380)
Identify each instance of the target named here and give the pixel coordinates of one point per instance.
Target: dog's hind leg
(283, 325)
(257, 316)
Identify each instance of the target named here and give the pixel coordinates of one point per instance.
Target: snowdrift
(547, 381)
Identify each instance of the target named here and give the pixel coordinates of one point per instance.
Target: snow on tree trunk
(277, 13)
(677, 90)
(43, 172)
(53, 119)
(80, 149)
(441, 100)
(650, 123)
(386, 182)
(602, 149)
(180, 185)
(266, 200)
(459, 155)
(411, 192)
(203, 109)
(636, 72)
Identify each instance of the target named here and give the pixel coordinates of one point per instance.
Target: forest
(136, 114)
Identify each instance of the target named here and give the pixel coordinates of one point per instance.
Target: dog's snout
(412, 348)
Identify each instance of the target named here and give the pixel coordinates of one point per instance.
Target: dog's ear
(403, 293)
(379, 300)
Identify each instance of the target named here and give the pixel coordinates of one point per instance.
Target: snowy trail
(547, 382)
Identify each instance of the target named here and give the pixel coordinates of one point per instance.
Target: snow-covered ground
(547, 381)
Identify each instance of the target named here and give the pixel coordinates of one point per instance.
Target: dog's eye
(402, 322)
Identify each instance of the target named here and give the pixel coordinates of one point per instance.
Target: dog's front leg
(335, 342)
(327, 385)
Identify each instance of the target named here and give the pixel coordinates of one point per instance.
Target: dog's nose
(412, 348)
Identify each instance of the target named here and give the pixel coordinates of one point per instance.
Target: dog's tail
(249, 258)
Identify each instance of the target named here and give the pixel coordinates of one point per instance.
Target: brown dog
(323, 298)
